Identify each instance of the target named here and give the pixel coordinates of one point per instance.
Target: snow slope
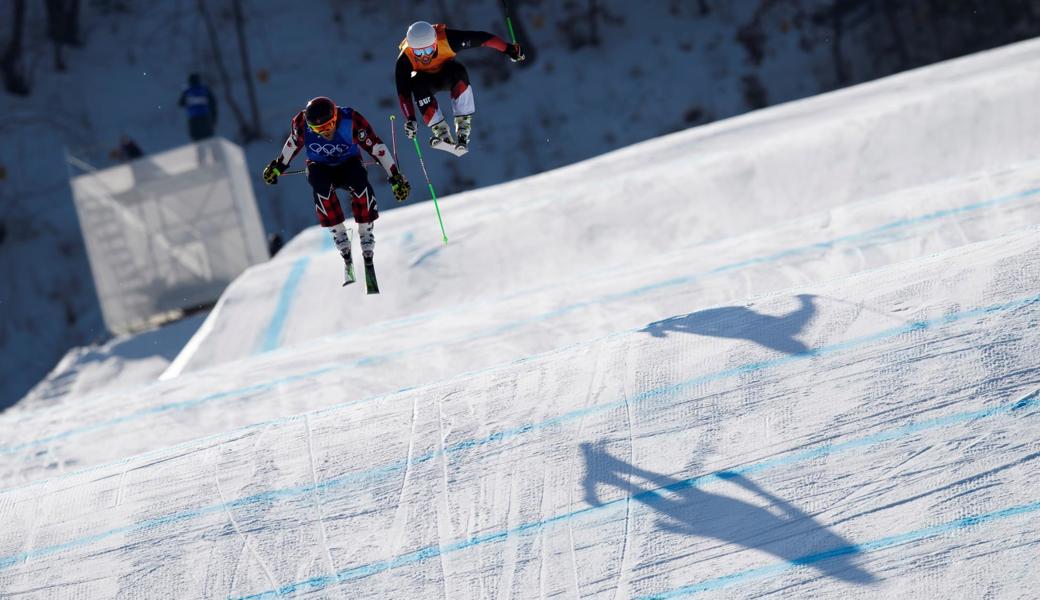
(789, 354)
(686, 66)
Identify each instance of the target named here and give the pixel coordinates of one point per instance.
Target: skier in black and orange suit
(427, 65)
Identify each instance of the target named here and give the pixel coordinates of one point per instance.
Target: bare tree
(593, 28)
(15, 80)
(837, 18)
(595, 14)
(255, 129)
(62, 27)
(245, 131)
(891, 10)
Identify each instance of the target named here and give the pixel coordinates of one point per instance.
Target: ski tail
(370, 277)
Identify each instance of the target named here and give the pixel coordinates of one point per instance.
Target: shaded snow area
(790, 354)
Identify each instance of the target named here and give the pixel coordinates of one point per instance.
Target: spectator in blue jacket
(198, 101)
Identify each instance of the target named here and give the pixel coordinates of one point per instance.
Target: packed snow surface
(791, 354)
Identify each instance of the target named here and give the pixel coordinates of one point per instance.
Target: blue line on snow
(864, 236)
(872, 546)
(385, 470)
(182, 405)
(1032, 400)
(545, 316)
(273, 334)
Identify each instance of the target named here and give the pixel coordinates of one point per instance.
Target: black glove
(272, 171)
(400, 186)
(410, 128)
(514, 53)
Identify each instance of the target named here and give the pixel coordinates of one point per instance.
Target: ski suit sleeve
(460, 39)
(366, 137)
(294, 142)
(403, 78)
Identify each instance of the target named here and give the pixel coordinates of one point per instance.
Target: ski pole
(509, 22)
(393, 136)
(432, 193)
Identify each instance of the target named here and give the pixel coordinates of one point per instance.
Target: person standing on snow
(331, 136)
(427, 65)
(198, 101)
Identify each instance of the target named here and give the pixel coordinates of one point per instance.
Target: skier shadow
(776, 333)
(685, 509)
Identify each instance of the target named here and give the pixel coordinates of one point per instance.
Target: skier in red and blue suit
(331, 137)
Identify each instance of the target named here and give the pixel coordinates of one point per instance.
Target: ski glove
(410, 128)
(272, 171)
(514, 53)
(400, 185)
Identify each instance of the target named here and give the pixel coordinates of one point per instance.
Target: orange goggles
(325, 128)
(427, 51)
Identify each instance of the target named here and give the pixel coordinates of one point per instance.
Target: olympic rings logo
(328, 149)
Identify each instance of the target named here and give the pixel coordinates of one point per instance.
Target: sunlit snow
(790, 354)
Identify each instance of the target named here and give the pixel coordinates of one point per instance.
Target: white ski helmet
(421, 35)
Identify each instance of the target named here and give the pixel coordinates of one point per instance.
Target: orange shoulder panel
(444, 52)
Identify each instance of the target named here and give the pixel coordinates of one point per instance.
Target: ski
(370, 277)
(348, 261)
(438, 144)
(348, 273)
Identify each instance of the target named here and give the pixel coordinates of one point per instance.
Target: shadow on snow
(774, 526)
(776, 333)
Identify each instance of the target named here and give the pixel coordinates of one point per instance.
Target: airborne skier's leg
(330, 213)
(441, 138)
(463, 127)
(366, 211)
(368, 244)
(341, 237)
(424, 86)
(368, 240)
(462, 104)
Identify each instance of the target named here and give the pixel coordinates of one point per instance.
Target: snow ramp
(789, 354)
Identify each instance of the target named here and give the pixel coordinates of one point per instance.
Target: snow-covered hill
(793, 354)
(663, 69)
(659, 69)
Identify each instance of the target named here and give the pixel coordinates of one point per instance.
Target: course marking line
(499, 436)
(1029, 401)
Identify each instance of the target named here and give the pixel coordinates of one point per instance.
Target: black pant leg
(323, 184)
(362, 195)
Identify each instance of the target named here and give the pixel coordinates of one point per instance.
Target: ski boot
(348, 269)
(463, 127)
(341, 237)
(441, 139)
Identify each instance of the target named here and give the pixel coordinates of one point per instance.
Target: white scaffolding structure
(165, 234)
